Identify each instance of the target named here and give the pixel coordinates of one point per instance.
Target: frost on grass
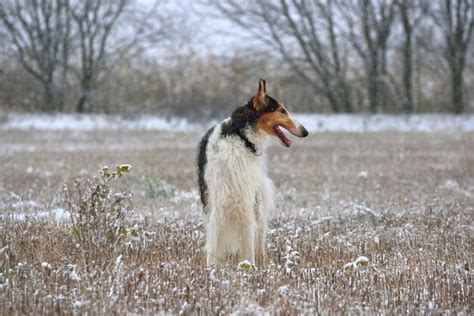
(45, 265)
(361, 264)
(363, 175)
(349, 267)
(292, 257)
(164, 271)
(415, 231)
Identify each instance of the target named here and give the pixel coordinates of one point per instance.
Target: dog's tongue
(285, 141)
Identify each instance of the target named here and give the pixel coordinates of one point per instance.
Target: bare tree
(39, 32)
(369, 25)
(108, 30)
(411, 14)
(304, 34)
(456, 20)
(95, 21)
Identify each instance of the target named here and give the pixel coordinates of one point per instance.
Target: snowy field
(313, 122)
(396, 190)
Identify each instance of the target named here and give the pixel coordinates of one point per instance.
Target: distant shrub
(155, 186)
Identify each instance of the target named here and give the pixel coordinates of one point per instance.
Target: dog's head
(271, 116)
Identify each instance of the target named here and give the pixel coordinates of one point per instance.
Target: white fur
(240, 197)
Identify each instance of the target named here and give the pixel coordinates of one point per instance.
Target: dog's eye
(282, 110)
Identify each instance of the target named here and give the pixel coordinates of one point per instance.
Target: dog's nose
(304, 132)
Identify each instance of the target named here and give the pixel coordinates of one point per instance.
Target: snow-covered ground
(313, 122)
(58, 215)
(363, 222)
(384, 122)
(88, 122)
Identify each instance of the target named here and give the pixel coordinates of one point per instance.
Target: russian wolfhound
(236, 192)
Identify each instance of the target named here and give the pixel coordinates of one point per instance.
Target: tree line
(332, 43)
(402, 56)
(64, 42)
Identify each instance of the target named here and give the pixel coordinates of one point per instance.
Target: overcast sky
(215, 34)
(208, 32)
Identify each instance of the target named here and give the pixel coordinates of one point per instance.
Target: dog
(236, 192)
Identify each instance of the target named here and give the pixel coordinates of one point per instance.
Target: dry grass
(403, 200)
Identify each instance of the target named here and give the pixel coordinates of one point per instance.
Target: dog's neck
(253, 142)
(250, 144)
(259, 141)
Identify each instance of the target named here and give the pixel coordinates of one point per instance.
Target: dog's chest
(230, 161)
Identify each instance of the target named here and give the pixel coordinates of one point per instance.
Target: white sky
(209, 34)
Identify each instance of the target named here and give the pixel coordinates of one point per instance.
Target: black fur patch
(246, 116)
(272, 105)
(202, 162)
(241, 118)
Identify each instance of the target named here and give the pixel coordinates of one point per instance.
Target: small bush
(98, 212)
(156, 187)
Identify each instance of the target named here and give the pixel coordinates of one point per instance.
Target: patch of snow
(76, 122)
(450, 184)
(454, 186)
(409, 226)
(283, 290)
(58, 215)
(323, 220)
(20, 204)
(3, 250)
(361, 209)
(261, 291)
(118, 263)
(72, 273)
(363, 175)
(225, 284)
(79, 303)
(45, 265)
(212, 275)
(362, 261)
(349, 267)
(356, 123)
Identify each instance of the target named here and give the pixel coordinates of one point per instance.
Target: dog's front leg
(247, 242)
(263, 212)
(260, 246)
(261, 229)
(214, 242)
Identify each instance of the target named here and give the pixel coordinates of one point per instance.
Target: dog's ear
(262, 87)
(259, 101)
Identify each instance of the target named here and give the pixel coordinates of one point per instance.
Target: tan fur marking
(259, 100)
(259, 103)
(268, 120)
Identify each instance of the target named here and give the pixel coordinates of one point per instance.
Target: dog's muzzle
(299, 131)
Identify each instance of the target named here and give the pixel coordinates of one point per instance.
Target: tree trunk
(60, 98)
(372, 86)
(407, 73)
(407, 57)
(346, 97)
(48, 97)
(372, 95)
(348, 105)
(81, 102)
(82, 105)
(333, 102)
(457, 84)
